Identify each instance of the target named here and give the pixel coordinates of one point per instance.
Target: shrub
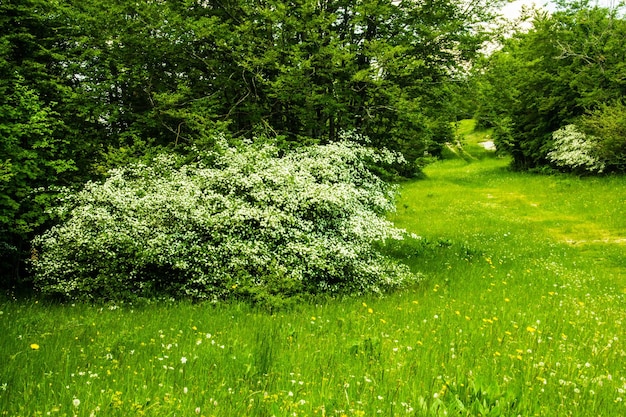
(575, 151)
(608, 124)
(242, 222)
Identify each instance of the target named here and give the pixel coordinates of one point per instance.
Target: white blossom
(244, 219)
(574, 150)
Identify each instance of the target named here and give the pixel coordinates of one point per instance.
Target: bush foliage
(608, 125)
(237, 222)
(566, 68)
(575, 151)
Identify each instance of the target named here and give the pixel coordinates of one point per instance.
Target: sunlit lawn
(521, 313)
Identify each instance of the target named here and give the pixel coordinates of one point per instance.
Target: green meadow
(520, 313)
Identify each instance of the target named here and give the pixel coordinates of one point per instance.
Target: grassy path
(553, 294)
(495, 211)
(521, 313)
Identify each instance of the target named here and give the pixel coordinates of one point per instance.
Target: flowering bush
(237, 222)
(575, 151)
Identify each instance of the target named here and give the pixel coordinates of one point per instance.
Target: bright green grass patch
(471, 145)
(522, 313)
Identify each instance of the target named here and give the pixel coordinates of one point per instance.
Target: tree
(37, 150)
(113, 82)
(304, 69)
(568, 64)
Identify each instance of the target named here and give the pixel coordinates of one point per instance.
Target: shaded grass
(522, 313)
(469, 144)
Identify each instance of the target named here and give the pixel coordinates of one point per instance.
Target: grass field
(521, 313)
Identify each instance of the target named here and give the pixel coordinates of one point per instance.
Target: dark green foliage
(86, 86)
(607, 124)
(311, 69)
(570, 63)
(37, 148)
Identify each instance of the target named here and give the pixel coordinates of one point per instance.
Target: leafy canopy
(567, 69)
(113, 82)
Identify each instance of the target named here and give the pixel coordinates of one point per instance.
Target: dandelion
(197, 410)
(34, 346)
(531, 329)
(76, 402)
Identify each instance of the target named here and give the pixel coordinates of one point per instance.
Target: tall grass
(522, 313)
